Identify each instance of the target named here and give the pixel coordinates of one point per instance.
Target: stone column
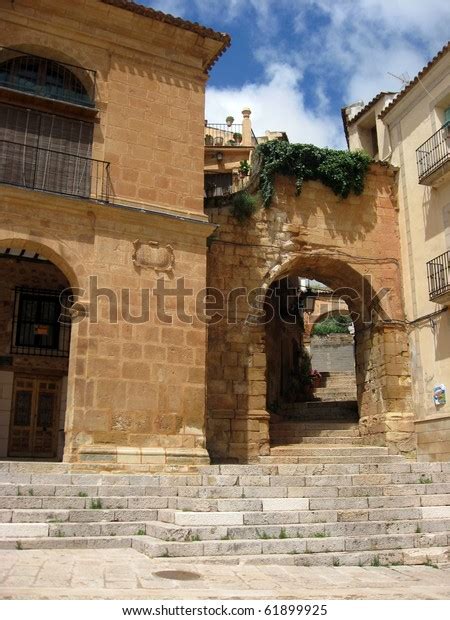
(384, 387)
(246, 127)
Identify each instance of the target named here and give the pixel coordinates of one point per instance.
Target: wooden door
(34, 417)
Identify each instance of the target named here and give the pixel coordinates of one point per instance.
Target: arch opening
(35, 345)
(310, 355)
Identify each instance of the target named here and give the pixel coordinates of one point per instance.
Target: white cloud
(344, 46)
(365, 40)
(277, 104)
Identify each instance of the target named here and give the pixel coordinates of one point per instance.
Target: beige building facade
(101, 202)
(411, 131)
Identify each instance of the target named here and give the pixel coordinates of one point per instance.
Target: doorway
(34, 417)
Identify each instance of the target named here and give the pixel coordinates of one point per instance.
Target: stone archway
(350, 245)
(37, 348)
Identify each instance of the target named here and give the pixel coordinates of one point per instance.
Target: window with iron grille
(41, 324)
(46, 78)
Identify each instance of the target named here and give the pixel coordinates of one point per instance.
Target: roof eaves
(209, 33)
(367, 107)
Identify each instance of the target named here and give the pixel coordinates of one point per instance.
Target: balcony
(222, 134)
(52, 171)
(45, 78)
(433, 160)
(438, 271)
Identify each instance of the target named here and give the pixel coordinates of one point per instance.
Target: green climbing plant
(332, 325)
(244, 206)
(341, 171)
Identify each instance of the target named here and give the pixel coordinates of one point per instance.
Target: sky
(296, 63)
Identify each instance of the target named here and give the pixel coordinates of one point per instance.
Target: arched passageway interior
(34, 354)
(310, 352)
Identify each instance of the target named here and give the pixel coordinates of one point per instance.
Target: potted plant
(231, 143)
(229, 120)
(244, 168)
(218, 141)
(237, 137)
(209, 140)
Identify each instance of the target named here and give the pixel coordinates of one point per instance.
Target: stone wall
(433, 439)
(150, 86)
(333, 353)
(136, 386)
(349, 244)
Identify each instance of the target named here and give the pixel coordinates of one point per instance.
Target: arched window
(45, 78)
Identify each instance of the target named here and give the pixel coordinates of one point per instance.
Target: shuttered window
(45, 151)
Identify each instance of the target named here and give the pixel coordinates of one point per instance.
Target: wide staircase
(376, 510)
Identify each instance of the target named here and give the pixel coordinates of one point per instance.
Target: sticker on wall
(439, 394)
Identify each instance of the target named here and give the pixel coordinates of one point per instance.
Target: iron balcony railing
(222, 134)
(54, 171)
(48, 78)
(433, 153)
(438, 271)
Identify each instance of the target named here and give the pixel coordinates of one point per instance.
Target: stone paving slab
(126, 574)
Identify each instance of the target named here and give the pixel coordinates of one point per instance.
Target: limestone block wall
(433, 439)
(351, 245)
(136, 384)
(150, 86)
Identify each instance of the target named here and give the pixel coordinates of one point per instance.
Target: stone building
(107, 256)
(411, 131)
(101, 195)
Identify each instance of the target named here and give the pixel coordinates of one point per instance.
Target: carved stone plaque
(150, 255)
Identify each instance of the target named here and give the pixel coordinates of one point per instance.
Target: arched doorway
(35, 300)
(310, 362)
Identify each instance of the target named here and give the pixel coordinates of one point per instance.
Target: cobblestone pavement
(126, 574)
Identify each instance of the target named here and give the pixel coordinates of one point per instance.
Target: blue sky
(295, 63)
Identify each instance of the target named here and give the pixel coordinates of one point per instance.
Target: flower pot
(218, 141)
(209, 140)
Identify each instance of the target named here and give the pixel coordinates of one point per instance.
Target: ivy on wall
(341, 171)
(244, 206)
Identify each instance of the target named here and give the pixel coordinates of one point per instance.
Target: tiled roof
(145, 11)
(368, 106)
(417, 79)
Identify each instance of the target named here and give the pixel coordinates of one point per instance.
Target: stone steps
(285, 429)
(296, 546)
(429, 555)
(67, 542)
(296, 433)
(305, 515)
(285, 440)
(238, 493)
(318, 450)
(294, 459)
(335, 394)
(347, 510)
(291, 528)
(323, 411)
